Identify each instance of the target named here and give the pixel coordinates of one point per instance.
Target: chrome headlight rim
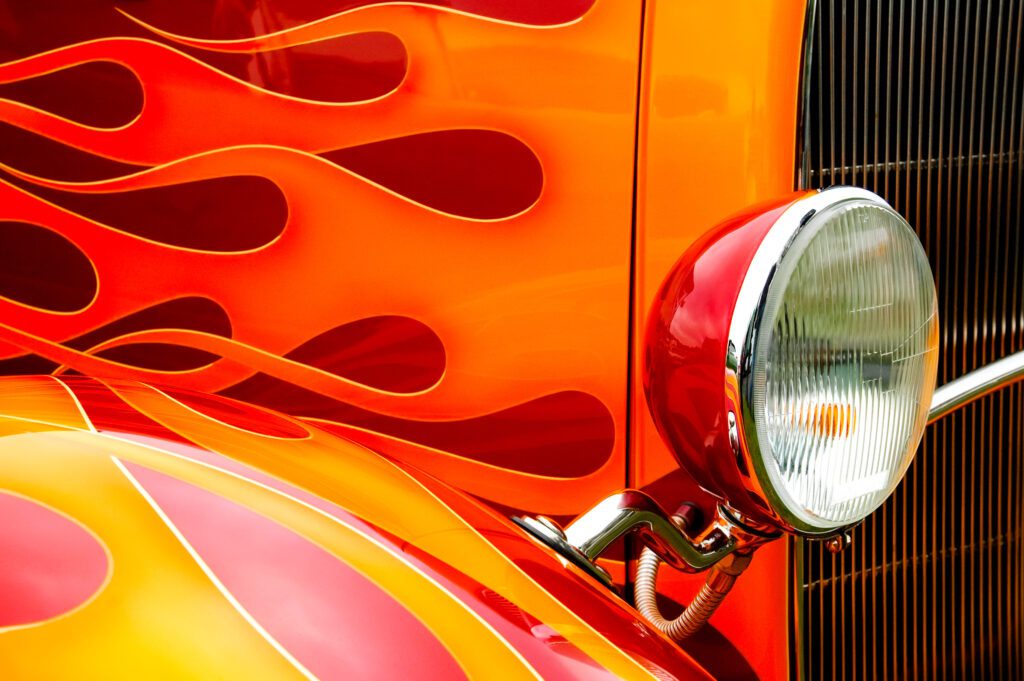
(744, 339)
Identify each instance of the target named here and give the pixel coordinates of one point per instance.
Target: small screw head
(714, 541)
(837, 543)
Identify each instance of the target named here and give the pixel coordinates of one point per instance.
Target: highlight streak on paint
(528, 668)
(210, 575)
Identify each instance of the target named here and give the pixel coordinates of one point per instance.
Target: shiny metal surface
(550, 534)
(744, 334)
(632, 512)
(720, 580)
(978, 383)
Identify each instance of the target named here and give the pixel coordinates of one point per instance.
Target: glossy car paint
(685, 351)
(204, 545)
(717, 133)
(409, 218)
(407, 221)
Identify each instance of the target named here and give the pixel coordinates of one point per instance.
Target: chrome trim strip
(804, 101)
(977, 383)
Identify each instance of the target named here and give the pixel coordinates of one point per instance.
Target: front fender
(150, 533)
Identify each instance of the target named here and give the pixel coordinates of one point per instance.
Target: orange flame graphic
(529, 301)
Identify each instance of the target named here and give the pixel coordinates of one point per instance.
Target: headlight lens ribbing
(843, 364)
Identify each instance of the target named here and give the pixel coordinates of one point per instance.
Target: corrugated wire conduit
(721, 576)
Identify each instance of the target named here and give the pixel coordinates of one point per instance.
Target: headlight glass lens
(844, 363)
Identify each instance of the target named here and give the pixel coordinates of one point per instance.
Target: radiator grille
(923, 102)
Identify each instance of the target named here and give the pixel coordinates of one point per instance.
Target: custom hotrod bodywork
(153, 534)
(409, 224)
(300, 300)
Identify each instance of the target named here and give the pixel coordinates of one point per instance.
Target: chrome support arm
(977, 383)
(633, 512)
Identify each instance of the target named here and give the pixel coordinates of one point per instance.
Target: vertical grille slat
(922, 101)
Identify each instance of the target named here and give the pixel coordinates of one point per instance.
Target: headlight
(792, 357)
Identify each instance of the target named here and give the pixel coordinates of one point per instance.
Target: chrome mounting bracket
(632, 512)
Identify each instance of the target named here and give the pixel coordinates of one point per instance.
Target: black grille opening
(923, 102)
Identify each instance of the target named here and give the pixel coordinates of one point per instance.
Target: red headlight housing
(791, 356)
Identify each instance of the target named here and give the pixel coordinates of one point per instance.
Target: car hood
(151, 533)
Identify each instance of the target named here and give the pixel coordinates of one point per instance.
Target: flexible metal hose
(721, 576)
